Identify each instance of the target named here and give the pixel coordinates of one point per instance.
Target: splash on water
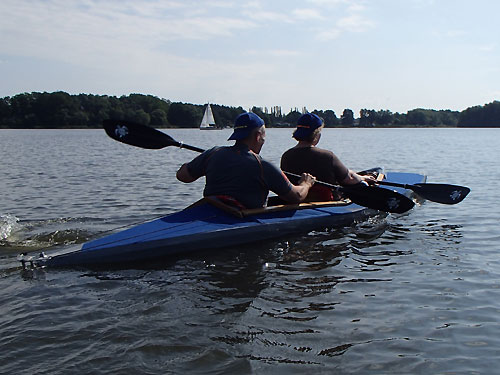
(7, 225)
(17, 235)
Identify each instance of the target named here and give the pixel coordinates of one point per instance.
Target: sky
(394, 55)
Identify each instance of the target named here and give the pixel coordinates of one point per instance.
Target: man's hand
(307, 179)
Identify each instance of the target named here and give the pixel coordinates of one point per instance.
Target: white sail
(208, 121)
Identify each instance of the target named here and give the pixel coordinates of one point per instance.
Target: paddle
(147, 137)
(371, 196)
(141, 135)
(440, 193)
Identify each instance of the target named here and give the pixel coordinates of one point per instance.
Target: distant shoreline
(43, 110)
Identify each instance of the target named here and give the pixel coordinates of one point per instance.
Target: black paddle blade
(378, 198)
(137, 135)
(441, 193)
(370, 196)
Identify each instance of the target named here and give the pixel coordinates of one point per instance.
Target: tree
(5, 109)
(159, 117)
(292, 117)
(481, 116)
(399, 119)
(225, 116)
(449, 118)
(383, 117)
(185, 115)
(328, 116)
(367, 117)
(417, 117)
(268, 119)
(347, 118)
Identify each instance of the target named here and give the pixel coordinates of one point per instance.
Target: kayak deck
(209, 224)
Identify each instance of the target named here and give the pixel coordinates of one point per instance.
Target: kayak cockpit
(273, 206)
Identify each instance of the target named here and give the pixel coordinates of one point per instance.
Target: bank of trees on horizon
(62, 110)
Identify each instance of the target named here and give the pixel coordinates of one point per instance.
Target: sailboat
(208, 121)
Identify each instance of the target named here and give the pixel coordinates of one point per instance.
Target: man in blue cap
(323, 164)
(240, 173)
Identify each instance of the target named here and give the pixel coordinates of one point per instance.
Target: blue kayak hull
(206, 227)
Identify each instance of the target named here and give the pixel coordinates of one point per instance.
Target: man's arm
(354, 178)
(299, 192)
(184, 175)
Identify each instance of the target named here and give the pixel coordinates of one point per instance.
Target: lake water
(416, 293)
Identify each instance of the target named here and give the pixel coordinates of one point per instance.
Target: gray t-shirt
(239, 173)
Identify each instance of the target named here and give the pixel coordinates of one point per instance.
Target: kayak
(210, 224)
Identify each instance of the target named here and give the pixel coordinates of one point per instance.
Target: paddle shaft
(189, 147)
(331, 186)
(395, 184)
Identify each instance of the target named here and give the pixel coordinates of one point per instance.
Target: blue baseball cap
(244, 124)
(306, 124)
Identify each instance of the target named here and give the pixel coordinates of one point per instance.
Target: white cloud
(307, 14)
(356, 7)
(260, 13)
(89, 31)
(263, 16)
(355, 23)
(272, 53)
(352, 20)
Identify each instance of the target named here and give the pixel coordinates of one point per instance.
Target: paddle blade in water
(137, 135)
(378, 198)
(441, 193)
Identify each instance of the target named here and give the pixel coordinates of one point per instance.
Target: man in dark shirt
(323, 164)
(240, 172)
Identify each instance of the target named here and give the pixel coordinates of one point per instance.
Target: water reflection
(232, 279)
(313, 282)
(445, 232)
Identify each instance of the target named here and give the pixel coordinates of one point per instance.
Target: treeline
(486, 116)
(62, 110)
(415, 117)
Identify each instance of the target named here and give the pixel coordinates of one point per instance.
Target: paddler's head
(249, 129)
(309, 128)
